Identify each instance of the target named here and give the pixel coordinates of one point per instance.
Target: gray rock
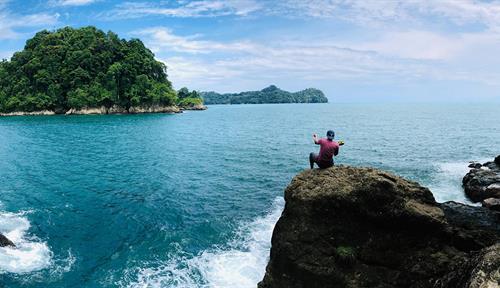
(475, 165)
(491, 203)
(484, 182)
(4, 241)
(361, 227)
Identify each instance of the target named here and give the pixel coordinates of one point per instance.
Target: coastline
(110, 111)
(266, 103)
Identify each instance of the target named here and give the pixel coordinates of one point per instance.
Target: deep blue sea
(190, 200)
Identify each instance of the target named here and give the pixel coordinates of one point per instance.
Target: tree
(82, 68)
(188, 99)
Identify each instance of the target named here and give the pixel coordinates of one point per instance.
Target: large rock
(483, 181)
(4, 241)
(362, 227)
(491, 203)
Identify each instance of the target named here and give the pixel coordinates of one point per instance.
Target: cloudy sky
(355, 51)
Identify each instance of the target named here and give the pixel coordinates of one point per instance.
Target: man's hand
(315, 138)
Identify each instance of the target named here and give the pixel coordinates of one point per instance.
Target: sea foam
(447, 184)
(242, 264)
(30, 254)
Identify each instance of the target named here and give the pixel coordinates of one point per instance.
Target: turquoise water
(190, 200)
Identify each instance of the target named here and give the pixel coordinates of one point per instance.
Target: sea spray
(447, 182)
(242, 264)
(30, 253)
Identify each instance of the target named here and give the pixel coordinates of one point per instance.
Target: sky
(355, 51)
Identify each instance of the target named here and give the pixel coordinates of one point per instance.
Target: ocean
(190, 200)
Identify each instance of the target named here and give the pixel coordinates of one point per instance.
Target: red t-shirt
(327, 150)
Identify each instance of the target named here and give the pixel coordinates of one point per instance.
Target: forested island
(85, 70)
(271, 94)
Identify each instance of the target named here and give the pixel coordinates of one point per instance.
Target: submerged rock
(362, 227)
(483, 182)
(4, 241)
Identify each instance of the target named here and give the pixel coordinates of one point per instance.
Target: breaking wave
(30, 254)
(242, 264)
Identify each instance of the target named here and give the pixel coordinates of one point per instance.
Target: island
(88, 71)
(271, 94)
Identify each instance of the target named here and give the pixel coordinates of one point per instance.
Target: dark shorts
(313, 157)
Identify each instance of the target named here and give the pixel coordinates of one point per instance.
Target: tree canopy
(82, 68)
(188, 99)
(271, 94)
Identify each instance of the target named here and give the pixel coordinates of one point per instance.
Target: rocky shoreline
(112, 110)
(482, 183)
(362, 227)
(196, 107)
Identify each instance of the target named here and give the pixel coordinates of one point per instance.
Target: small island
(269, 95)
(88, 71)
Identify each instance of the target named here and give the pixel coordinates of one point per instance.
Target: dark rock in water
(361, 227)
(4, 241)
(484, 182)
(491, 203)
(475, 165)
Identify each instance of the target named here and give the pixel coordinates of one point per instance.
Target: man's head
(330, 134)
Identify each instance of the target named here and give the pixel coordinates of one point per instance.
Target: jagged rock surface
(483, 181)
(362, 227)
(4, 241)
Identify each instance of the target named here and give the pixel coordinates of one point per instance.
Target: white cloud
(234, 61)
(374, 12)
(200, 8)
(72, 2)
(160, 38)
(6, 54)
(415, 44)
(366, 13)
(9, 22)
(394, 57)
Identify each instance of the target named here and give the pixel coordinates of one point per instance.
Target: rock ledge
(362, 227)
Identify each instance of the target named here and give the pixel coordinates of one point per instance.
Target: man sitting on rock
(328, 149)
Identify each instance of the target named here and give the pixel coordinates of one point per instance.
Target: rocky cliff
(361, 227)
(482, 183)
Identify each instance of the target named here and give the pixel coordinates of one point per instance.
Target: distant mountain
(271, 94)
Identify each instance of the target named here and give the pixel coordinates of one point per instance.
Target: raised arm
(315, 139)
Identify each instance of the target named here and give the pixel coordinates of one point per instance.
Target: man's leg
(312, 159)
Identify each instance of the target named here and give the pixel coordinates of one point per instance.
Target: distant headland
(88, 71)
(271, 94)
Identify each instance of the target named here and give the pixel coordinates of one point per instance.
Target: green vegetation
(188, 99)
(345, 255)
(271, 94)
(83, 68)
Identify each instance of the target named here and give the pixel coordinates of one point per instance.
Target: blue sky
(355, 51)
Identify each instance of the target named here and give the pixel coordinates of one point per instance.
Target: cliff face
(360, 227)
(482, 183)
